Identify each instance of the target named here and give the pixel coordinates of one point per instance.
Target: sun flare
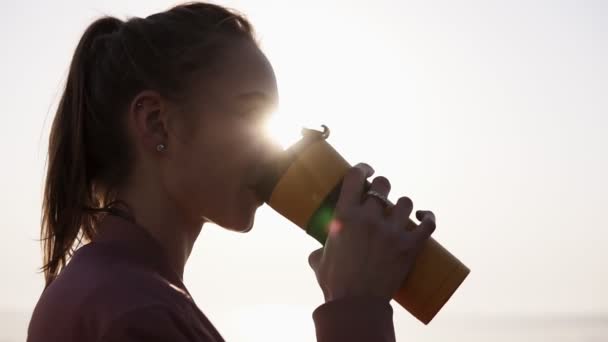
(283, 129)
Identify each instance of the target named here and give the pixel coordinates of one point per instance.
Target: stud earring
(161, 147)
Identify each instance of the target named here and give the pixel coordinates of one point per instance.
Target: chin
(238, 226)
(241, 216)
(241, 221)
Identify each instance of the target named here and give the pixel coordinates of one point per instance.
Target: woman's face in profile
(209, 173)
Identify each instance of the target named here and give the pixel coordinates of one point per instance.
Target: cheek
(198, 174)
(206, 179)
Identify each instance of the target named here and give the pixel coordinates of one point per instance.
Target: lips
(254, 173)
(264, 172)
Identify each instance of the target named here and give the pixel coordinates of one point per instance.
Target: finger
(401, 212)
(382, 186)
(427, 225)
(352, 185)
(314, 259)
(421, 213)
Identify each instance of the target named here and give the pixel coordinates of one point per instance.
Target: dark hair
(88, 154)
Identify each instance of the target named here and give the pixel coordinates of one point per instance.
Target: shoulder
(100, 288)
(155, 322)
(102, 277)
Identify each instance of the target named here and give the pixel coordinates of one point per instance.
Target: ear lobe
(146, 111)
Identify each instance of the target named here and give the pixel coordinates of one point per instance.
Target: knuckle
(392, 234)
(422, 241)
(405, 242)
(375, 223)
(404, 200)
(382, 182)
(429, 215)
(355, 171)
(363, 166)
(372, 221)
(429, 222)
(410, 226)
(405, 203)
(353, 175)
(360, 170)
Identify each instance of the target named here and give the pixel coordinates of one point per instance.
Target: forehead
(243, 69)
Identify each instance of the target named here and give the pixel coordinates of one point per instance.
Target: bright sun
(283, 129)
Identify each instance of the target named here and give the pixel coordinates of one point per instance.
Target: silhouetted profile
(157, 132)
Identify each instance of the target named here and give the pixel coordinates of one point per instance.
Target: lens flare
(282, 129)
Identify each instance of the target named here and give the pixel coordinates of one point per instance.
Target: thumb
(314, 259)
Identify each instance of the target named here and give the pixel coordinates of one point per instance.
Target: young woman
(157, 133)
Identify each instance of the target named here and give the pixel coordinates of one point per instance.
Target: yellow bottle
(303, 185)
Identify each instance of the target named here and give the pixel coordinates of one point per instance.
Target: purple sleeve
(357, 319)
(151, 324)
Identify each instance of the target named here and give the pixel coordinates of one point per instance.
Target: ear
(148, 112)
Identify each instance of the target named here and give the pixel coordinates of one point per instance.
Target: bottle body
(306, 193)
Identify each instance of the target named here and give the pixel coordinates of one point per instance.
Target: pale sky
(493, 114)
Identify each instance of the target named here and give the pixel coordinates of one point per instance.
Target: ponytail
(69, 187)
(89, 154)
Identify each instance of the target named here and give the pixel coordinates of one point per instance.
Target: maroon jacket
(120, 288)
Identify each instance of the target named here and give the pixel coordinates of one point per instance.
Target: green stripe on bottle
(318, 225)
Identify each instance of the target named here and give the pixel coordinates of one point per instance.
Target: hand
(368, 252)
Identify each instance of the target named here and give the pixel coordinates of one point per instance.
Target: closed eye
(256, 105)
(257, 98)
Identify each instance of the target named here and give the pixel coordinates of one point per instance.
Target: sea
(465, 328)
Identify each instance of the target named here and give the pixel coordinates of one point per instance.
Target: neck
(173, 229)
